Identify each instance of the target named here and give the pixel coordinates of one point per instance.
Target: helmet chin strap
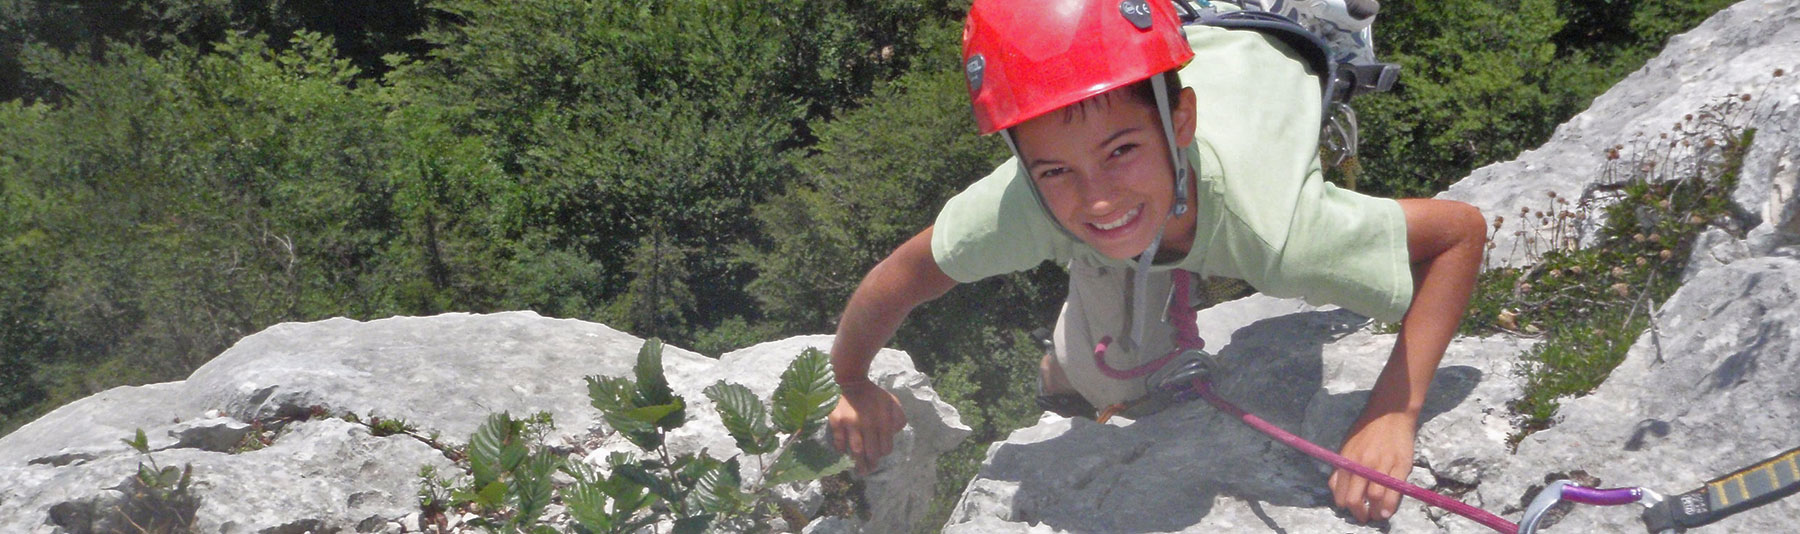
(1140, 282)
(1141, 278)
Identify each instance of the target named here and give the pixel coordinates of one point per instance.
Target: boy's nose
(1099, 192)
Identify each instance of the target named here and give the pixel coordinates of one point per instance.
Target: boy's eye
(1124, 149)
(1052, 173)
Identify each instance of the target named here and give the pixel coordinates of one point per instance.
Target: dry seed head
(1612, 153)
(1779, 72)
(1664, 204)
(1575, 270)
(1696, 219)
(1638, 237)
(1744, 97)
(1655, 237)
(1685, 143)
(1551, 194)
(1688, 117)
(1641, 261)
(1556, 273)
(1621, 289)
(1618, 271)
(1709, 142)
(1498, 220)
(1525, 287)
(1665, 254)
(1664, 135)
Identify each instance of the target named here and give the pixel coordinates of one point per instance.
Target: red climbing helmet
(1024, 58)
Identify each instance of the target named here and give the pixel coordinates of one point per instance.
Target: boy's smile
(1103, 168)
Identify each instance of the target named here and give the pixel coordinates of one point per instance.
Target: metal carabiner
(1562, 490)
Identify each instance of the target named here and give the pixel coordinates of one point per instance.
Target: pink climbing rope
(1336, 460)
(1186, 337)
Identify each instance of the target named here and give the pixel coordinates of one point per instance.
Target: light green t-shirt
(1264, 213)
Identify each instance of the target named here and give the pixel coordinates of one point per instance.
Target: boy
(1087, 95)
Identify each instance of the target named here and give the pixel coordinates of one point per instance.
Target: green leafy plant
(509, 480)
(158, 499)
(1590, 304)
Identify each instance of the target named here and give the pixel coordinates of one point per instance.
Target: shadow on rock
(1163, 472)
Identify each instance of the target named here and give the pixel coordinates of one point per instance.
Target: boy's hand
(864, 423)
(1383, 442)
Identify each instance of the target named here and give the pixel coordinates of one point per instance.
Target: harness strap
(1745, 489)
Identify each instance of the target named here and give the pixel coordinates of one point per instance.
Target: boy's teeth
(1120, 221)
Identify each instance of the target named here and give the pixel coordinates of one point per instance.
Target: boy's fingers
(1359, 505)
(1390, 498)
(1378, 501)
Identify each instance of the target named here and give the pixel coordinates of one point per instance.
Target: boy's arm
(867, 417)
(1445, 240)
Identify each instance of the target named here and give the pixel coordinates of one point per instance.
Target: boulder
(442, 374)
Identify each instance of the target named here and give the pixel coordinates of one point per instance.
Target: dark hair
(1142, 92)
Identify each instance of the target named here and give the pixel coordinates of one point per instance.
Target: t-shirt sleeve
(994, 227)
(1348, 249)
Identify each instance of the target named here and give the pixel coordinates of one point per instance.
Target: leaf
(693, 524)
(491, 496)
(744, 417)
(652, 385)
(650, 415)
(719, 490)
(806, 394)
(587, 505)
(807, 460)
(531, 486)
(138, 442)
(492, 449)
(610, 393)
(642, 477)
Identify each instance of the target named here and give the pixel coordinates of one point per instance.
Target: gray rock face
(1714, 388)
(444, 374)
(1193, 469)
(1734, 52)
(1711, 389)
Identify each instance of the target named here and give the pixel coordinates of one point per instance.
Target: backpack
(1335, 37)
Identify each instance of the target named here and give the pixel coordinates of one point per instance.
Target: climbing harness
(1182, 375)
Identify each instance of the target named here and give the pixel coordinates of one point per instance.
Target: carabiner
(1564, 490)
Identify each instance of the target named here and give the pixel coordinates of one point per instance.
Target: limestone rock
(1734, 52)
(442, 374)
(1715, 387)
(1193, 469)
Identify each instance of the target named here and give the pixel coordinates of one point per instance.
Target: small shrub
(1590, 304)
(509, 474)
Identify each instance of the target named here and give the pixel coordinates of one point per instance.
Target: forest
(178, 174)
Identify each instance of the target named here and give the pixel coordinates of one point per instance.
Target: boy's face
(1102, 166)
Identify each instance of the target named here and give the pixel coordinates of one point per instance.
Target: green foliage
(1590, 304)
(744, 417)
(1485, 80)
(158, 499)
(368, 29)
(509, 471)
(805, 395)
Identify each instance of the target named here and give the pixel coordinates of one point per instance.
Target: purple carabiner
(1562, 490)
